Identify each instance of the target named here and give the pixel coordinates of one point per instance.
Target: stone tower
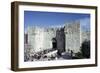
(72, 36)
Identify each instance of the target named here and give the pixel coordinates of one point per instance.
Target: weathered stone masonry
(63, 39)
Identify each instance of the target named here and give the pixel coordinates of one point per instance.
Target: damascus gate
(54, 43)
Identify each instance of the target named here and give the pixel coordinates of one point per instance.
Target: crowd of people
(40, 56)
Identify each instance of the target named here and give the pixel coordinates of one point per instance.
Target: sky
(48, 19)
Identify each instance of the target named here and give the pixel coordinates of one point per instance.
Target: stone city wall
(67, 38)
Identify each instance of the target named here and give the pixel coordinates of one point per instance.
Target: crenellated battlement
(68, 37)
